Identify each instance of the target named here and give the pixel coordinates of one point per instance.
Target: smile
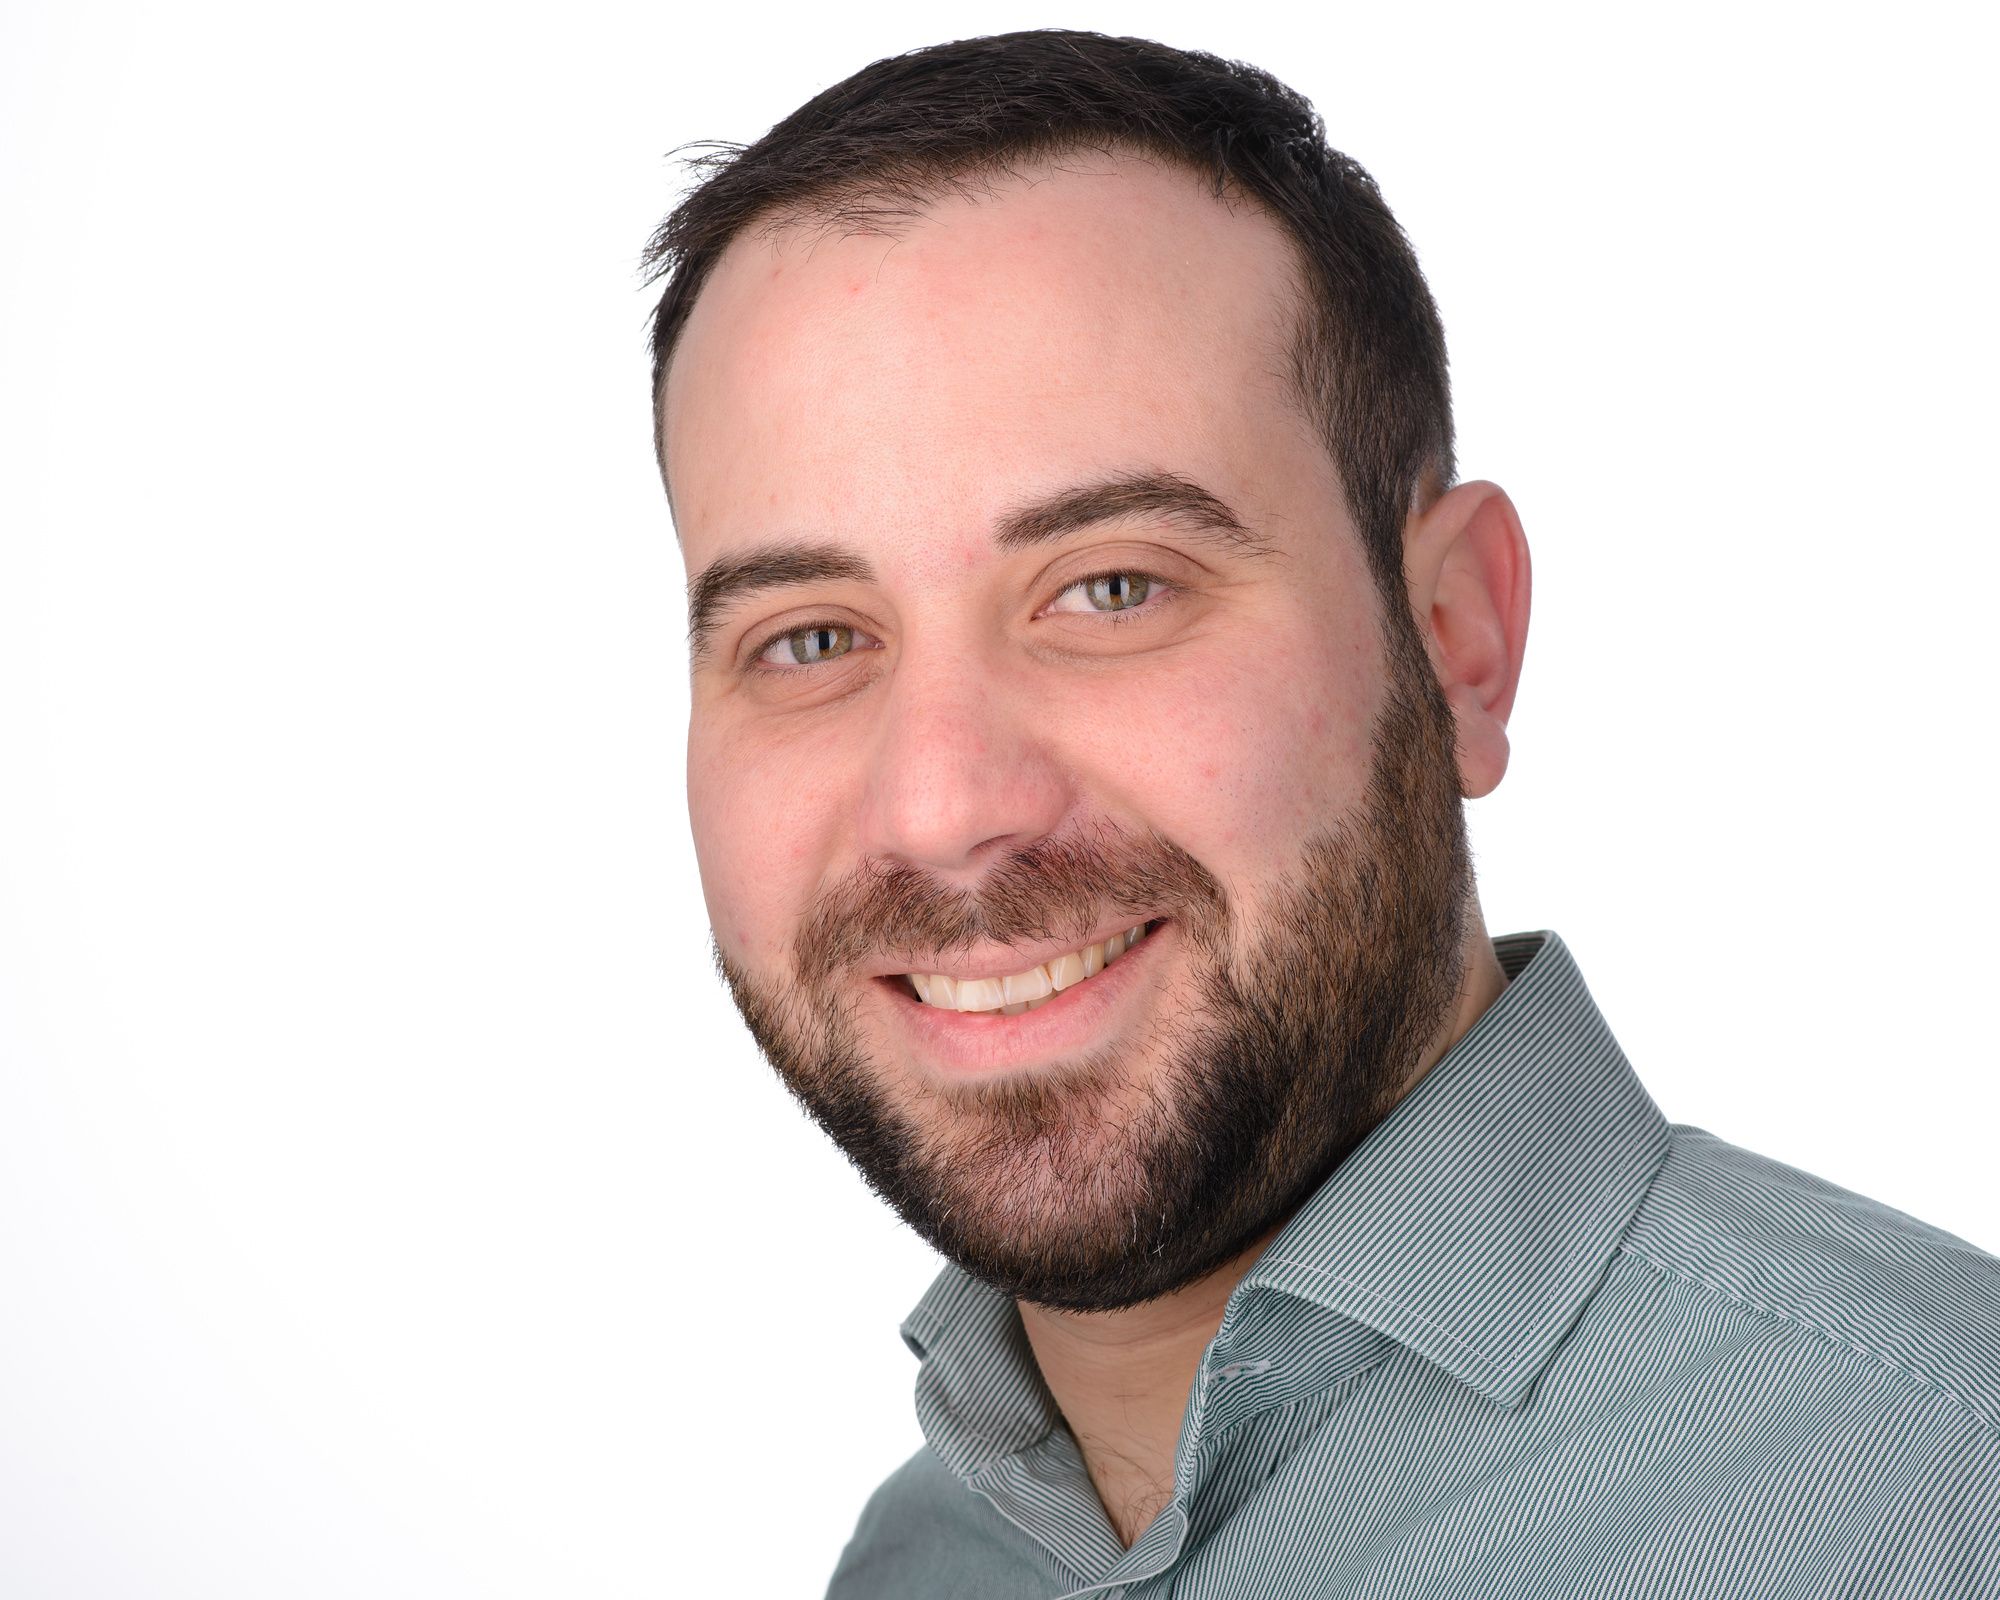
(1024, 991)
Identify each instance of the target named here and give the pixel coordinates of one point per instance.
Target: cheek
(1252, 757)
(760, 816)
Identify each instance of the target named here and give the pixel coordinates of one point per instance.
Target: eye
(1123, 590)
(810, 646)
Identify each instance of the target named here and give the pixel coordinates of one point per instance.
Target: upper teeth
(1023, 991)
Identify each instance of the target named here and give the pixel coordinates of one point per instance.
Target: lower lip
(983, 1043)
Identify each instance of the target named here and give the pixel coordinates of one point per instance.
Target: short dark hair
(1367, 356)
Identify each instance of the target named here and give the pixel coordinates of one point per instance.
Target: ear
(1465, 560)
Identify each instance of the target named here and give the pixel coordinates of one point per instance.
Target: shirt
(1528, 1339)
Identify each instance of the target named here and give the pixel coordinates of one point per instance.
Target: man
(1091, 653)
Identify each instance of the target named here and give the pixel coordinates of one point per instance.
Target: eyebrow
(729, 579)
(1165, 496)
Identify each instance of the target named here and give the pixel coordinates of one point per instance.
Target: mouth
(974, 1037)
(1028, 990)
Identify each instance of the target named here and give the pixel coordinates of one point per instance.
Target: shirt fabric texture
(1528, 1339)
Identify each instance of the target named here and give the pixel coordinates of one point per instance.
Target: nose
(964, 770)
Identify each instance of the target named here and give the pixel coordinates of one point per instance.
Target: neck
(1121, 1378)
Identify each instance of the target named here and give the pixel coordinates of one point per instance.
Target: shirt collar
(1475, 1220)
(1470, 1226)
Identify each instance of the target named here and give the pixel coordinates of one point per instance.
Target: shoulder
(924, 1533)
(1871, 1281)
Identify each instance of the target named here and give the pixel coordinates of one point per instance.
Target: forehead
(1087, 315)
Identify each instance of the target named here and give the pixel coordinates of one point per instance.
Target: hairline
(837, 206)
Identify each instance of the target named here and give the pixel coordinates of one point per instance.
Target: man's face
(987, 720)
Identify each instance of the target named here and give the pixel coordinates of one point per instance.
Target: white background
(390, 1201)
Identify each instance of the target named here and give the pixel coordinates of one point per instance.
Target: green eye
(1117, 591)
(1110, 593)
(809, 646)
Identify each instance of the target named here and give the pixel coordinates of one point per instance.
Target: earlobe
(1483, 745)
(1466, 561)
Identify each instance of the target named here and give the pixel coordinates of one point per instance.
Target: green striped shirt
(1528, 1339)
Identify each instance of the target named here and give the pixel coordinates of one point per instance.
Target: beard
(1086, 1185)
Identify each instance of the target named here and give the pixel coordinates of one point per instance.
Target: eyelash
(1168, 593)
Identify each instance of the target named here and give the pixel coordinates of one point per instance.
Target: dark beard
(1088, 1188)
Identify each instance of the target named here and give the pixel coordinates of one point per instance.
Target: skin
(899, 396)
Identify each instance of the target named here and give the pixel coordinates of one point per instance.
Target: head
(1059, 440)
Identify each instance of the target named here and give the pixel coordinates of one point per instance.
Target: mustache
(1060, 887)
